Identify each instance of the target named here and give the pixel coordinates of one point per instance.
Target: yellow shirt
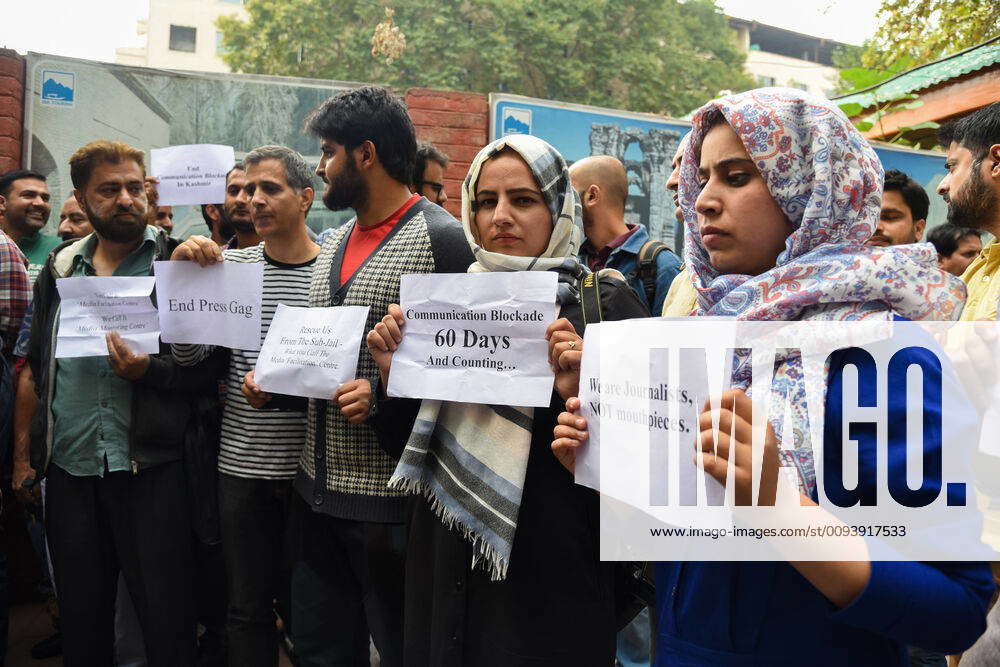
(681, 297)
(982, 280)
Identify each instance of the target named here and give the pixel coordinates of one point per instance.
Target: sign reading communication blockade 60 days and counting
(476, 338)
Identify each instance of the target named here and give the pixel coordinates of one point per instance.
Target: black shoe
(49, 647)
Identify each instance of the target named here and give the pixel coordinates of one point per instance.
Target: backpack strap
(647, 268)
(589, 287)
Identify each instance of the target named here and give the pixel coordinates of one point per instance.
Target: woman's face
(742, 228)
(511, 217)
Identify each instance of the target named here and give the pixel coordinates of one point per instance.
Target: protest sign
(93, 306)
(476, 338)
(212, 305)
(191, 175)
(311, 351)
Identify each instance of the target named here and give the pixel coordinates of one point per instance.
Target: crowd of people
(188, 517)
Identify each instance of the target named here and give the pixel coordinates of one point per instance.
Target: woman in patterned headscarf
(502, 565)
(779, 193)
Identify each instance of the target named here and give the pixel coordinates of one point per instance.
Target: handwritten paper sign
(213, 305)
(476, 338)
(311, 351)
(193, 174)
(94, 306)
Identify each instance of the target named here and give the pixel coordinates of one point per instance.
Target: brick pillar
(11, 109)
(457, 123)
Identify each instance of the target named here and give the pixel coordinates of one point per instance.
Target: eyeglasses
(436, 187)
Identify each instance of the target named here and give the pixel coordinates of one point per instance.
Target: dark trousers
(254, 515)
(139, 525)
(347, 582)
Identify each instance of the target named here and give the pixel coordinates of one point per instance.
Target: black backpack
(646, 268)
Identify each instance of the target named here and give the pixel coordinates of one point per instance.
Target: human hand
(565, 355)
(735, 443)
(123, 361)
(354, 398)
(570, 433)
(384, 340)
(198, 249)
(256, 397)
(23, 482)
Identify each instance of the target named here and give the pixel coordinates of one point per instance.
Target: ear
(212, 211)
(592, 195)
(918, 229)
(78, 195)
(3, 204)
(306, 199)
(366, 155)
(940, 261)
(993, 157)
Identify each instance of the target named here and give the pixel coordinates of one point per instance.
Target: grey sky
(93, 29)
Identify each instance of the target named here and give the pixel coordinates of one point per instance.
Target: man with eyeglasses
(428, 173)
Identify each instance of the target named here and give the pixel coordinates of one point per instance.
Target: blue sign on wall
(645, 143)
(58, 88)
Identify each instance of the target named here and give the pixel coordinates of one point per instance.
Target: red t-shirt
(364, 240)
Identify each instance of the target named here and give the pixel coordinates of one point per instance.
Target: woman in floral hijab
(779, 193)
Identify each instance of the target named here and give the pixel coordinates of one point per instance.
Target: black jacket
(557, 605)
(169, 404)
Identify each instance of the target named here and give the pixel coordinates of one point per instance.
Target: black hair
(913, 194)
(370, 113)
(426, 151)
(7, 180)
(946, 237)
(977, 131)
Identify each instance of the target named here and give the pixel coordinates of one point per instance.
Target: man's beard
(228, 226)
(977, 205)
(347, 189)
(117, 230)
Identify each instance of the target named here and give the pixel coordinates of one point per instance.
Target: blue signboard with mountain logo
(58, 88)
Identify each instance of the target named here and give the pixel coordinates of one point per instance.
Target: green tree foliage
(925, 30)
(645, 55)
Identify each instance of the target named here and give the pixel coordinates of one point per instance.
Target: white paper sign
(213, 305)
(94, 306)
(193, 174)
(311, 351)
(476, 338)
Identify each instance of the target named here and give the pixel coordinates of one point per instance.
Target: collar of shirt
(983, 284)
(129, 266)
(596, 261)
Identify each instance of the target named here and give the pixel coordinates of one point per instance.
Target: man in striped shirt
(259, 449)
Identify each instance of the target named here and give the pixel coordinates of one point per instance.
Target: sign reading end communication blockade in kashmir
(93, 306)
(476, 338)
(311, 351)
(191, 175)
(211, 305)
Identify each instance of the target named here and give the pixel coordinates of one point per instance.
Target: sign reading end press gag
(93, 306)
(212, 305)
(476, 338)
(191, 175)
(311, 351)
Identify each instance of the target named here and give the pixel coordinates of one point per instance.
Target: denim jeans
(254, 515)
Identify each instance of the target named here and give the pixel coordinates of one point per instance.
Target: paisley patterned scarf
(828, 182)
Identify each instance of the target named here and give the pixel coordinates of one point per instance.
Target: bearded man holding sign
(110, 434)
